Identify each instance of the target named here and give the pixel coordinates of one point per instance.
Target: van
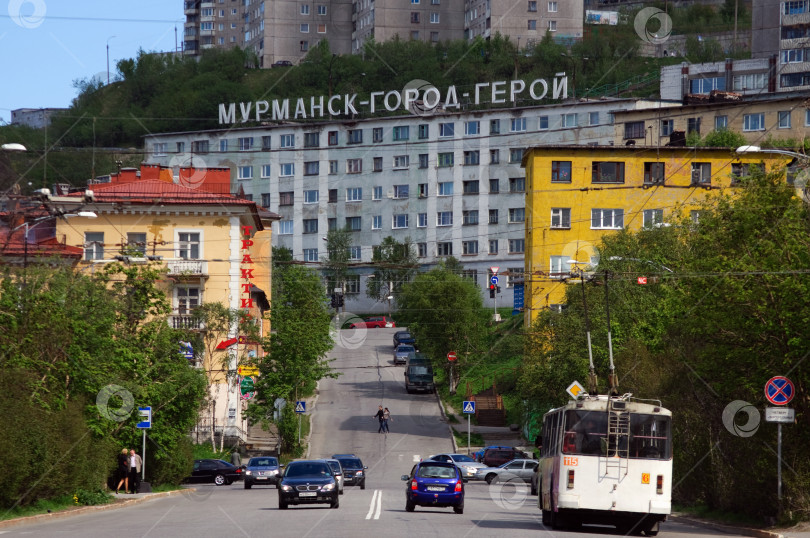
(419, 377)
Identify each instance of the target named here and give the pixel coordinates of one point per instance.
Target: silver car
(469, 468)
(401, 353)
(337, 470)
(519, 469)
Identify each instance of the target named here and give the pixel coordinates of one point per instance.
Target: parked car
(401, 353)
(495, 457)
(469, 467)
(434, 483)
(419, 378)
(374, 322)
(308, 482)
(220, 472)
(354, 472)
(262, 471)
(520, 469)
(337, 470)
(478, 455)
(281, 63)
(403, 337)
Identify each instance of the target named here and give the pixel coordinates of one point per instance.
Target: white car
(337, 469)
(519, 469)
(469, 468)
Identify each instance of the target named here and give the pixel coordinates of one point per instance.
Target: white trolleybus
(606, 460)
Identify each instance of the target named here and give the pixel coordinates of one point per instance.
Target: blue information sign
(518, 291)
(146, 418)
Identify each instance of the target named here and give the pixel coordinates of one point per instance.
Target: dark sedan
(308, 482)
(354, 472)
(262, 471)
(220, 472)
(403, 337)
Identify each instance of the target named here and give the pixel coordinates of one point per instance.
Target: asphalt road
(342, 422)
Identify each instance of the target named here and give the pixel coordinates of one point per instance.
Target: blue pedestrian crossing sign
(468, 407)
(301, 407)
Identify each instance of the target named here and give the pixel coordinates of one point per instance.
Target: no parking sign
(779, 390)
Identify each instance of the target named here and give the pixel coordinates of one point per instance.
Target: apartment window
(542, 123)
(701, 173)
(332, 196)
(569, 120)
(807, 118)
(593, 118)
(634, 129)
(310, 226)
(285, 227)
(751, 81)
(561, 171)
(353, 224)
(304, 28)
(793, 56)
(376, 222)
(311, 168)
(354, 194)
(423, 131)
(693, 125)
(321, 28)
(518, 125)
(303, 46)
(265, 199)
(653, 217)
(311, 196)
(517, 246)
(321, 10)
(188, 298)
(607, 219)
(559, 266)
(312, 140)
(304, 9)
(423, 160)
(331, 224)
(517, 214)
(421, 250)
(446, 130)
(444, 249)
(188, 245)
(754, 122)
(180, 147)
(399, 221)
(471, 157)
(287, 141)
(532, 24)
(561, 217)
(445, 188)
(355, 253)
(469, 248)
(653, 173)
(493, 246)
(784, 119)
(287, 169)
(333, 167)
(494, 127)
(421, 220)
(666, 127)
(93, 245)
(401, 191)
(310, 254)
(400, 162)
(493, 216)
(423, 190)
(434, 18)
(794, 7)
(494, 156)
(552, 26)
(377, 135)
(355, 136)
(376, 193)
(401, 132)
(471, 274)
(472, 128)
(517, 184)
(795, 79)
(415, 17)
(471, 186)
(332, 138)
(515, 155)
(469, 217)
(494, 186)
(532, 6)
(354, 166)
(160, 148)
(377, 163)
(199, 146)
(445, 159)
(444, 218)
(706, 85)
(552, 7)
(245, 143)
(607, 172)
(694, 215)
(721, 122)
(285, 198)
(244, 172)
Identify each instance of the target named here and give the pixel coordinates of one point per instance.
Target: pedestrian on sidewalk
(380, 415)
(386, 419)
(123, 470)
(135, 463)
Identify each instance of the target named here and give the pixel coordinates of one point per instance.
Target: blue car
(434, 483)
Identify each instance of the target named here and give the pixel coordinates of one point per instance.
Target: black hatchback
(308, 482)
(220, 472)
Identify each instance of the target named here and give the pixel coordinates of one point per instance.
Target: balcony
(186, 322)
(187, 268)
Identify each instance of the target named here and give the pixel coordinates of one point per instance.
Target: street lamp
(36, 222)
(13, 147)
(757, 149)
(108, 59)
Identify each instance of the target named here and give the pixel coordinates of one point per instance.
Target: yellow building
(215, 246)
(576, 194)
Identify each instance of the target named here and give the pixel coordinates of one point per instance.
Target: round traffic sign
(779, 390)
(451, 356)
(494, 280)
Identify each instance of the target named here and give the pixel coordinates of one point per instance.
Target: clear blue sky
(45, 45)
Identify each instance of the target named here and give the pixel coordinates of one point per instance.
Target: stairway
(262, 443)
(489, 409)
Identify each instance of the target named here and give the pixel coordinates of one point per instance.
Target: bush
(92, 498)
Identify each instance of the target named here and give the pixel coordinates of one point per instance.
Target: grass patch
(58, 504)
(204, 451)
(165, 487)
(452, 419)
(730, 518)
(461, 438)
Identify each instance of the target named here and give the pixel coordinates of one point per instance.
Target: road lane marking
(376, 505)
(417, 458)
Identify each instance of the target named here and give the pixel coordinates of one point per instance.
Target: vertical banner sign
(247, 267)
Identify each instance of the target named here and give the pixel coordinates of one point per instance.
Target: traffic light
(498, 289)
(492, 291)
(340, 300)
(334, 301)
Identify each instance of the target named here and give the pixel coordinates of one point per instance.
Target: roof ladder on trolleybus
(618, 440)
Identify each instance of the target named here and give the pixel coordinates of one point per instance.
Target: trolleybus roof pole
(592, 390)
(613, 380)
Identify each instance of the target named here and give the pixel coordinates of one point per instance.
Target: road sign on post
(779, 390)
(451, 356)
(494, 270)
(494, 280)
(146, 418)
(300, 408)
(468, 408)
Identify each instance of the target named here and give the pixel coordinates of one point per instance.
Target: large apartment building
(287, 30)
(451, 182)
(782, 28)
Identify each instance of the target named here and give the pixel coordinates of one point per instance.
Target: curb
(312, 406)
(756, 533)
(447, 421)
(86, 509)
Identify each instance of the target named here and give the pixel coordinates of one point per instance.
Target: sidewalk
(120, 500)
(799, 531)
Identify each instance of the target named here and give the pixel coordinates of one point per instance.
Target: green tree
(336, 262)
(723, 138)
(394, 265)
